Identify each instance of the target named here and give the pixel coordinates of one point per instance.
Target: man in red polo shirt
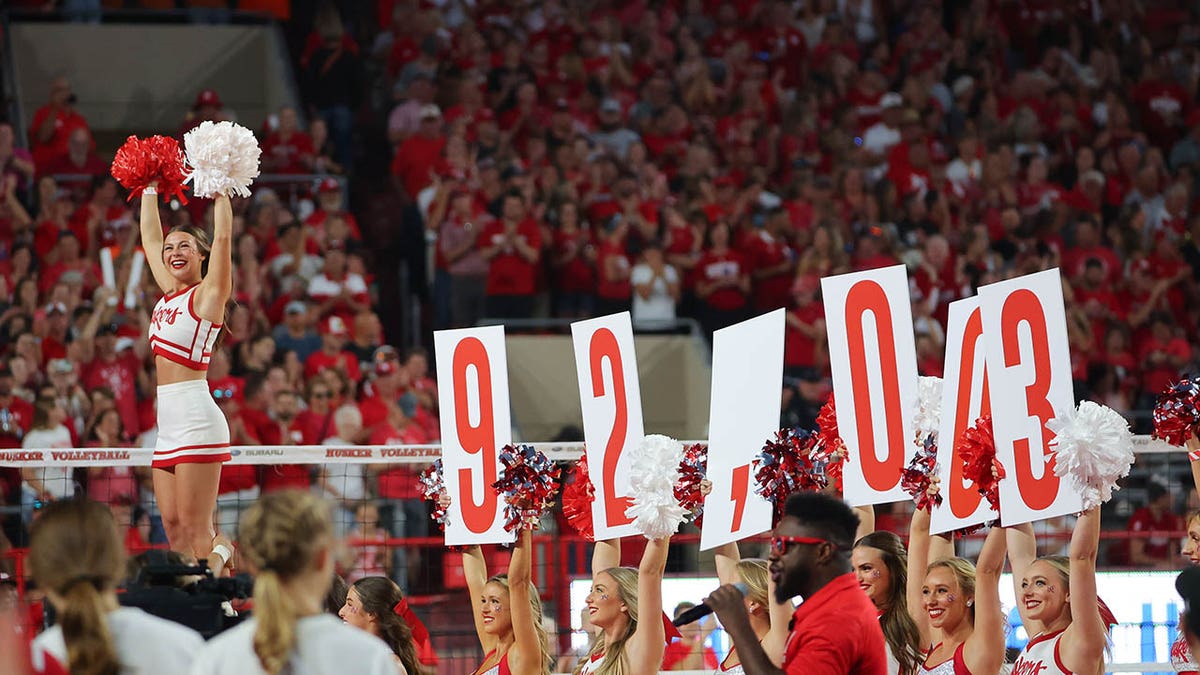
(512, 245)
(836, 629)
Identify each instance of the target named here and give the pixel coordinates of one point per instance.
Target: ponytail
(275, 634)
(90, 649)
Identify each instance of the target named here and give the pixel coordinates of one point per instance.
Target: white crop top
(178, 335)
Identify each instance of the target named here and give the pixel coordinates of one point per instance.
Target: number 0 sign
(611, 399)
(1029, 367)
(874, 361)
(965, 398)
(744, 412)
(473, 399)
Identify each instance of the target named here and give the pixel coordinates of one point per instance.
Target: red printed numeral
(965, 500)
(739, 493)
(604, 346)
(1023, 306)
(478, 513)
(868, 296)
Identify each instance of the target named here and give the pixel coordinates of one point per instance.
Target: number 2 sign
(872, 355)
(965, 398)
(744, 412)
(1029, 367)
(611, 399)
(473, 399)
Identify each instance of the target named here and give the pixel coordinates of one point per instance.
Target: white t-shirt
(347, 478)
(56, 479)
(144, 642)
(324, 645)
(660, 306)
(880, 138)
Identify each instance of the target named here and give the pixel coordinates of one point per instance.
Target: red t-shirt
(314, 428)
(65, 122)
(1156, 379)
(766, 250)
(281, 476)
(509, 273)
(729, 265)
(621, 288)
(288, 155)
(344, 361)
(235, 477)
(399, 481)
(119, 375)
(836, 631)
(679, 650)
(1157, 547)
(800, 350)
(577, 275)
(414, 159)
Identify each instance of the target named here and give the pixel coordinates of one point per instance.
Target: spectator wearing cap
(295, 333)
(63, 376)
(331, 202)
(512, 246)
(722, 281)
(611, 133)
(207, 107)
(419, 154)
(50, 131)
(80, 159)
(336, 290)
(288, 149)
(55, 338)
(332, 354)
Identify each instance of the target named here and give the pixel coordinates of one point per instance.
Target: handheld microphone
(702, 610)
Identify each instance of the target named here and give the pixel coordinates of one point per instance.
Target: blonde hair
(614, 662)
(281, 535)
(964, 573)
(535, 603)
(76, 553)
(753, 572)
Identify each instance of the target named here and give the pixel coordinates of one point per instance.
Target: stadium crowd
(680, 159)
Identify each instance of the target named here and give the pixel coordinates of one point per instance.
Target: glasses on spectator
(222, 393)
(779, 545)
(322, 394)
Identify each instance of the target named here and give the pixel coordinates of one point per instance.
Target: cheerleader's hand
(443, 499)
(935, 487)
(706, 487)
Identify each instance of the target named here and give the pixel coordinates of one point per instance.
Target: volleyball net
(385, 528)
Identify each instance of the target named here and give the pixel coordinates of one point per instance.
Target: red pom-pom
(977, 449)
(786, 465)
(693, 469)
(433, 486)
(577, 497)
(831, 449)
(528, 481)
(915, 479)
(1177, 413)
(157, 159)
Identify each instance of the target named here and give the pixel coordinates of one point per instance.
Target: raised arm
(919, 555)
(218, 283)
(475, 571)
(984, 649)
(1084, 641)
(645, 648)
(1193, 448)
(525, 656)
(727, 557)
(866, 521)
(606, 555)
(152, 240)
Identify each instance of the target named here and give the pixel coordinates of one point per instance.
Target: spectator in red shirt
(773, 260)
(119, 372)
(316, 421)
(80, 157)
(1164, 356)
(614, 292)
(574, 261)
(836, 629)
(336, 290)
(512, 245)
(53, 123)
(722, 282)
(288, 150)
(1150, 551)
(331, 203)
(403, 505)
(286, 431)
(207, 108)
(419, 154)
(332, 354)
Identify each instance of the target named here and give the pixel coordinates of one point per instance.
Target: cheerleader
(509, 620)
(288, 541)
(374, 604)
(768, 618)
(956, 605)
(1057, 599)
(1181, 655)
(881, 566)
(78, 558)
(195, 276)
(619, 596)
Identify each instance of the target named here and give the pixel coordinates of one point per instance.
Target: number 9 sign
(1028, 365)
(475, 423)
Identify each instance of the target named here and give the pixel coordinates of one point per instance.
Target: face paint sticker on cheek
(875, 574)
(604, 596)
(951, 597)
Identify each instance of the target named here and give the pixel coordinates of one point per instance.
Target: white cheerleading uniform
(144, 644)
(1181, 657)
(324, 646)
(191, 427)
(1041, 657)
(592, 664)
(178, 335)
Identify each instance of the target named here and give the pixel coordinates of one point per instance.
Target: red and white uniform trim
(191, 427)
(178, 334)
(1041, 657)
(1181, 657)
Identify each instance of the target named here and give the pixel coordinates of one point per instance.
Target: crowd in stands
(681, 159)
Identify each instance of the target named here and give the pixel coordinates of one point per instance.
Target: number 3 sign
(1029, 367)
(475, 422)
(611, 399)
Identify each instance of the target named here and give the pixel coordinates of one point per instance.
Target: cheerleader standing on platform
(1057, 599)
(956, 605)
(195, 276)
(509, 617)
(619, 596)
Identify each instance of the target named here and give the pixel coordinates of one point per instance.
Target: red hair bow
(420, 633)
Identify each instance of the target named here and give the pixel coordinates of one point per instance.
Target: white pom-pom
(928, 417)
(222, 158)
(652, 476)
(1093, 445)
